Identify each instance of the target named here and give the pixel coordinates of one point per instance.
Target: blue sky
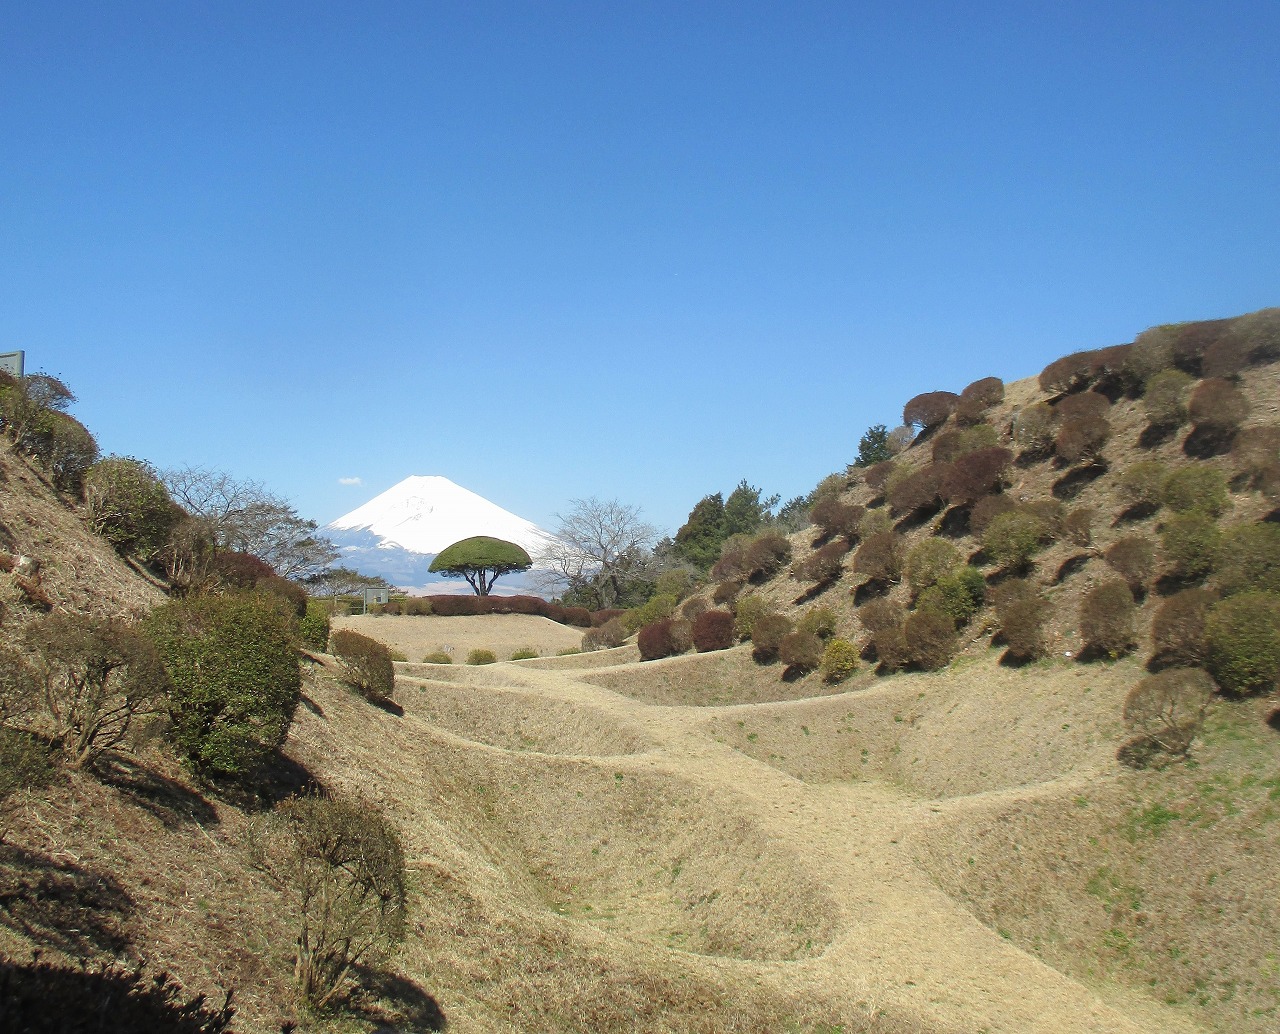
(635, 250)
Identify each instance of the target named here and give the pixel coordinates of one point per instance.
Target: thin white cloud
(350, 481)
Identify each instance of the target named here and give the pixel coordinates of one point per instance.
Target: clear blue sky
(637, 250)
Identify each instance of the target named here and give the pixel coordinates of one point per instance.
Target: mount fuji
(397, 534)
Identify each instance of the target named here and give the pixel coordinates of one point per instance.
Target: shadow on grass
(61, 905)
(394, 1003)
(1075, 481)
(167, 799)
(1072, 565)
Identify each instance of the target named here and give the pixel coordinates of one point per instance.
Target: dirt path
(899, 939)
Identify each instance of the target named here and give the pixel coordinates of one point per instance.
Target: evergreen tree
(699, 540)
(873, 447)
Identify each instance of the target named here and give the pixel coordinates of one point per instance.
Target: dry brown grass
(416, 637)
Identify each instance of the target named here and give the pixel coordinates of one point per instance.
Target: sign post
(12, 363)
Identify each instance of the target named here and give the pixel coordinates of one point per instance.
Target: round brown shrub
(1152, 352)
(713, 630)
(1196, 487)
(833, 517)
(1132, 558)
(1033, 430)
(821, 566)
(880, 557)
(931, 639)
(1088, 405)
(1178, 629)
(1219, 405)
(986, 390)
(1243, 634)
(1077, 526)
(891, 647)
(727, 590)
(919, 490)
(692, 607)
(766, 555)
(974, 475)
(947, 446)
(611, 634)
(987, 509)
(1256, 454)
(800, 651)
(1193, 340)
(682, 635)
(767, 636)
(929, 408)
(1021, 613)
(1188, 545)
(880, 614)
(657, 640)
(878, 473)
(1169, 708)
(1107, 615)
(1165, 399)
(1070, 373)
(1082, 438)
(1248, 559)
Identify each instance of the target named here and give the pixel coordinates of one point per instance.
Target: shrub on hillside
(681, 635)
(1218, 405)
(1050, 513)
(98, 677)
(1021, 613)
(822, 566)
(929, 560)
(987, 509)
(240, 570)
(1243, 636)
(1248, 559)
(978, 397)
(66, 449)
(340, 864)
(1088, 405)
(1196, 487)
(1178, 629)
(977, 474)
(839, 660)
(1133, 559)
(1169, 708)
(437, 657)
(656, 640)
(766, 555)
(958, 595)
(1070, 373)
(713, 630)
(313, 628)
(880, 614)
(1193, 340)
(1142, 486)
(1033, 430)
(920, 490)
(951, 445)
(800, 652)
(833, 517)
(1256, 454)
(129, 506)
(1107, 615)
(1077, 526)
(481, 656)
(929, 409)
(931, 639)
(1152, 352)
(892, 651)
(767, 636)
(1080, 439)
(235, 677)
(1013, 538)
(692, 607)
(656, 608)
(1165, 399)
(875, 522)
(819, 621)
(601, 617)
(611, 634)
(749, 610)
(877, 474)
(727, 590)
(880, 557)
(1250, 340)
(1188, 545)
(366, 664)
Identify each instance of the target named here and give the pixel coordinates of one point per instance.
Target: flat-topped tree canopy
(480, 560)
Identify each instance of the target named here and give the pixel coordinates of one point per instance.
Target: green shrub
(480, 656)
(929, 560)
(525, 653)
(1243, 636)
(1021, 613)
(129, 506)
(1142, 485)
(1132, 558)
(931, 639)
(1248, 559)
(677, 582)
(1013, 538)
(340, 864)
(727, 590)
(1178, 628)
(366, 663)
(800, 651)
(839, 660)
(819, 621)
(874, 522)
(658, 607)
(1169, 708)
(958, 595)
(1107, 615)
(767, 636)
(313, 627)
(749, 610)
(235, 677)
(99, 677)
(437, 657)
(1165, 398)
(1188, 545)
(1196, 487)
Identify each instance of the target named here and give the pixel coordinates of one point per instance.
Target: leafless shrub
(1021, 613)
(1107, 615)
(880, 557)
(1132, 558)
(1178, 629)
(931, 639)
(1077, 526)
(1169, 708)
(1219, 405)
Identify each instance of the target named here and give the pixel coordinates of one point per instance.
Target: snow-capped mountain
(397, 534)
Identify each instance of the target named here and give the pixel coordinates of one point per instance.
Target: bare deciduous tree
(598, 548)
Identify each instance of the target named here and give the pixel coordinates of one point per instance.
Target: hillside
(723, 841)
